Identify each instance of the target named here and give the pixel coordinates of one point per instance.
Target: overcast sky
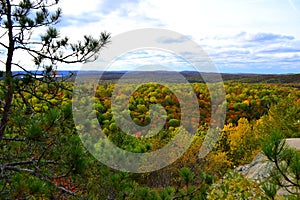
(239, 36)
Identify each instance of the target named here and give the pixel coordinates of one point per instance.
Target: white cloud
(234, 33)
(150, 60)
(79, 7)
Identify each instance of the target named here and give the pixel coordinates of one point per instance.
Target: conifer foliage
(39, 152)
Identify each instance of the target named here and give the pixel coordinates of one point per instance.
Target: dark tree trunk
(8, 76)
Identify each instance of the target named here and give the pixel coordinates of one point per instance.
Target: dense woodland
(41, 150)
(42, 155)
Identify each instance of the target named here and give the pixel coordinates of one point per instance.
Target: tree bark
(8, 73)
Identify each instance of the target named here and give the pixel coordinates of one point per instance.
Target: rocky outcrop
(293, 142)
(259, 169)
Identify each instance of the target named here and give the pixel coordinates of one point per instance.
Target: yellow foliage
(218, 162)
(241, 142)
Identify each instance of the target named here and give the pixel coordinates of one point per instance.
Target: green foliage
(77, 157)
(284, 117)
(41, 132)
(186, 175)
(282, 122)
(270, 189)
(34, 131)
(174, 122)
(113, 126)
(286, 160)
(235, 186)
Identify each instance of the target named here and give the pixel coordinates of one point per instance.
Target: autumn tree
(237, 144)
(34, 133)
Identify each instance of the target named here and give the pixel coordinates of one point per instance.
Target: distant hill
(191, 76)
(210, 77)
(263, 78)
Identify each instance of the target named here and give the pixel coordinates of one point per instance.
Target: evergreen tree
(282, 122)
(40, 152)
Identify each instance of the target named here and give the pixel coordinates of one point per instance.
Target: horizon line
(124, 71)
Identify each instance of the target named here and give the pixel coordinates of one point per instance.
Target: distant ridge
(191, 76)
